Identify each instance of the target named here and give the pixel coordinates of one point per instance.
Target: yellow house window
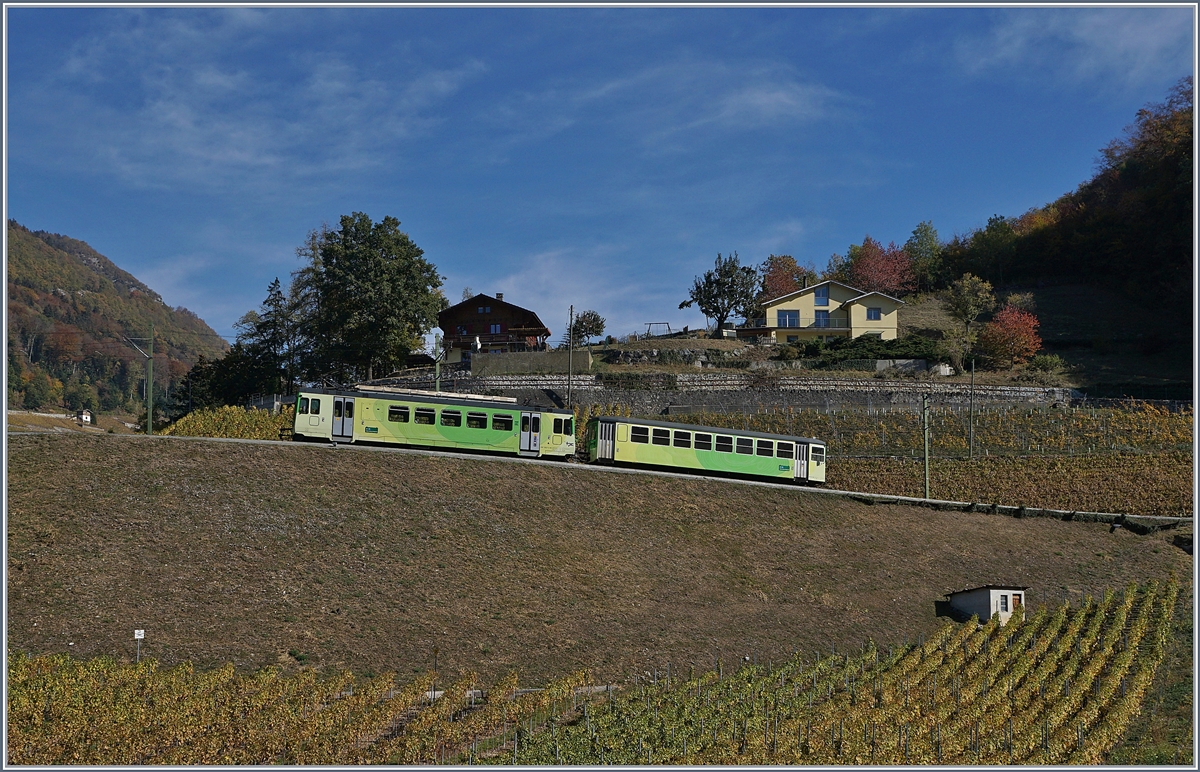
(874, 314)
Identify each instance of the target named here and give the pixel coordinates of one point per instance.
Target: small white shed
(83, 416)
(989, 599)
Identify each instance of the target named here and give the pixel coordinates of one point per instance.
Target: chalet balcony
(797, 323)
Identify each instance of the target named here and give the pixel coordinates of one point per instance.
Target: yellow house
(826, 311)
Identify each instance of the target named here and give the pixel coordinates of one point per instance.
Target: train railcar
(615, 440)
(435, 420)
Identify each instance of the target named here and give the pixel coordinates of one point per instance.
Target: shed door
(531, 430)
(801, 471)
(343, 417)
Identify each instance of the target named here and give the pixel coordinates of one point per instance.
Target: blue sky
(600, 157)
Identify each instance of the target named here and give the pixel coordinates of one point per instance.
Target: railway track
(1141, 524)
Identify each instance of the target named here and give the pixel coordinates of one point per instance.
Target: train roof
(712, 429)
(441, 398)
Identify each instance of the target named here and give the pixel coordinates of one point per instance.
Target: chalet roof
(880, 294)
(988, 587)
(530, 324)
(809, 288)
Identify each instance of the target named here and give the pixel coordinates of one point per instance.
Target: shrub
(1050, 363)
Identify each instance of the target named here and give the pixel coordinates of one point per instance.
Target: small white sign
(139, 633)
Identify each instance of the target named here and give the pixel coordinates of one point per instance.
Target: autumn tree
(727, 290)
(1011, 336)
(781, 274)
(875, 268)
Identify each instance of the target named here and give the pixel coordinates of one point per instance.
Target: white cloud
(206, 99)
(667, 107)
(1127, 46)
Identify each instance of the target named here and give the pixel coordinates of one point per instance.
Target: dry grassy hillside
(371, 560)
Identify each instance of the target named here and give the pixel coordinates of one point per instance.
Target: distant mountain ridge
(70, 312)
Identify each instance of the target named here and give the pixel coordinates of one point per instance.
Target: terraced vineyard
(1058, 687)
(1005, 430)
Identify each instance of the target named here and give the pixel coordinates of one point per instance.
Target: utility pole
(437, 363)
(570, 350)
(971, 431)
(149, 377)
(925, 434)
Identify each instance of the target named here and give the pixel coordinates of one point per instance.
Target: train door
(531, 433)
(343, 418)
(801, 471)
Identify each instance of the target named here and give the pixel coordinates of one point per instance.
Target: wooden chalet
(499, 327)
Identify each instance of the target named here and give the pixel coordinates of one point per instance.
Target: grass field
(267, 554)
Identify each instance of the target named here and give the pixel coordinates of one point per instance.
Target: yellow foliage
(232, 423)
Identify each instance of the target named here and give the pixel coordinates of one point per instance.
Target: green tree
(727, 290)
(588, 324)
(994, 247)
(78, 395)
(969, 297)
(39, 392)
(925, 250)
(376, 297)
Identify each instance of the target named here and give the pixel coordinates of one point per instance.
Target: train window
(703, 441)
(558, 426)
(451, 418)
(524, 423)
(661, 437)
(476, 420)
(724, 444)
(398, 414)
(765, 448)
(423, 415)
(302, 406)
(537, 424)
(745, 446)
(568, 426)
(639, 434)
(683, 439)
(315, 406)
(784, 450)
(818, 454)
(502, 423)
(349, 408)
(337, 408)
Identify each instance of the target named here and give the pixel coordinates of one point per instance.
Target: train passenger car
(434, 419)
(615, 440)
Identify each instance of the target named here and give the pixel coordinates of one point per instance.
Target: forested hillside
(70, 310)
(1129, 227)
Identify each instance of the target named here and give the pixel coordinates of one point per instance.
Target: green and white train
(434, 420)
(470, 422)
(633, 441)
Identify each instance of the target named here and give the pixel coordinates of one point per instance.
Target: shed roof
(987, 587)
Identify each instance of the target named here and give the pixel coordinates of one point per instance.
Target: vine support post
(925, 436)
(971, 424)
